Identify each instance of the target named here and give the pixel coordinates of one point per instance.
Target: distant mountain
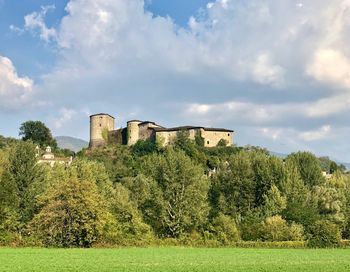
(346, 164)
(71, 143)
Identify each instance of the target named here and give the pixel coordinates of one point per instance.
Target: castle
(102, 131)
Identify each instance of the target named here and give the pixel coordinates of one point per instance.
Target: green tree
(275, 203)
(22, 180)
(183, 188)
(235, 186)
(309, 168)
(147, 196)
(73, 213)
(128, 216)
(268, 171)
(330, 203)
(300, 207)
(38, 133)
(142, 148)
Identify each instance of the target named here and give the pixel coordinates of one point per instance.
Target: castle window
(100, 125)
(228, 134)
(207, 142)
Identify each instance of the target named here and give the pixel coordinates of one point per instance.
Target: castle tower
(133, 131)
(100, 125)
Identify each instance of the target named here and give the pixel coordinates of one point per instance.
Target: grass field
(174, 259)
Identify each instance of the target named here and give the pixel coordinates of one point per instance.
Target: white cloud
(65, 116)
(333, 105)
(316, 135)
(15, 91)
(331, 66)
(259, 63)
(36, 22)
(265, 72)
(273, 133)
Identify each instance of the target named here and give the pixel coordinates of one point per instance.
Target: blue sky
(278, 73)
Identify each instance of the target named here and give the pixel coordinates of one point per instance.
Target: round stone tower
(133, 131)
(100, 125)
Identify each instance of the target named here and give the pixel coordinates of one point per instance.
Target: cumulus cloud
(278, 68)
(15, 90)
(315, 135)
(331, 66)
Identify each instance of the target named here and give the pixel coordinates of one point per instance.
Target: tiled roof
(191, 127)
(97, 114)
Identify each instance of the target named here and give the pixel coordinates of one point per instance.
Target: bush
(225, 229)
(276, 229)
(324, 234)
(222, 143)
(296, 232)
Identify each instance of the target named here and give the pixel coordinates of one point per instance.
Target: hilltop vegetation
(185, 194)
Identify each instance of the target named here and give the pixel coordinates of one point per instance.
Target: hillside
(71, 143)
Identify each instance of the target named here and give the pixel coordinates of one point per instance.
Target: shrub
(276, 229)
(222, 143)
(225, 229)
(324, 234)
(296, 232)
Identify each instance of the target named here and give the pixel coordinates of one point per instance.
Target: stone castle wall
(133, 132)
(212, 138)
(166, 137)
(100, 125)
(102, 131)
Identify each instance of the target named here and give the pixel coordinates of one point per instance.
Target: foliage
(38, 133)
(275, 228)
(275, 203)
(199, 140)
(222, 143)
(21, 180)
(126, 213)
(308, 167)
(142, 148)
(324, 234)
(104, 134)
(183, 189)
(330, 166)
(73, 213)
(225, 229)
(186, 194)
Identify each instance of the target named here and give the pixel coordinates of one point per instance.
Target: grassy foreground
(174, 259)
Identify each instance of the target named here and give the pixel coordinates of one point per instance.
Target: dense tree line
(120, 195)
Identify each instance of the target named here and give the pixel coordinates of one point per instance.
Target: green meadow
(174, 259)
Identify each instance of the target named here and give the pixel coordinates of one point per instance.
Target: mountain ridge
(71, 143)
